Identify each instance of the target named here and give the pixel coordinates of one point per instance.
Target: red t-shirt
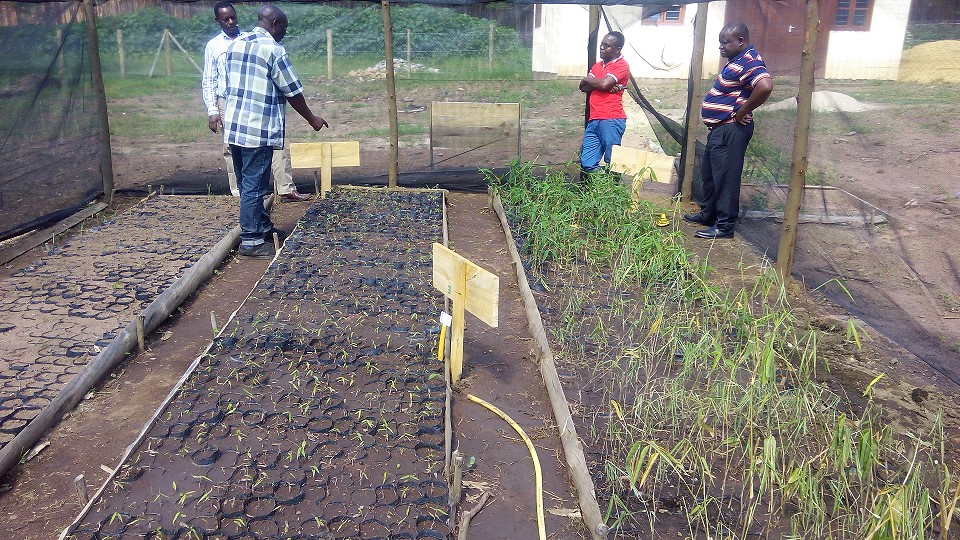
(609, 105)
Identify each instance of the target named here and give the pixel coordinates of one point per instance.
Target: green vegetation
(453, 44)
(704, 402)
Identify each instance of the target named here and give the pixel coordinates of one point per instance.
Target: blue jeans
(253, 178)
(720, 169)
(598, 140)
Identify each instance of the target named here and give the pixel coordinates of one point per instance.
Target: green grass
(190, 128)
(709, 397)
(404, 129)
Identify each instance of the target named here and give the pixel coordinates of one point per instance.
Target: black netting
(48, 129)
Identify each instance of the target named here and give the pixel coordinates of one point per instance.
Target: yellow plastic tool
(663, 221)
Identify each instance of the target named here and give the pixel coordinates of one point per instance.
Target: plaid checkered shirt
(260, 78)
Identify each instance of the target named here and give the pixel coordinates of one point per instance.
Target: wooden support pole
(458, 326)
(329, 54)
(166, 52)
(121, 54)
(176, 42)
(688, 155)
(213, 322)
(61, 66)
(490, 49)
(393, 166)
(409, 53)
(801, 136)
(593, 38)
(106, 156)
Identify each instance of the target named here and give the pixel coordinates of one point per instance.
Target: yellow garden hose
(443, 334)
(533, 454)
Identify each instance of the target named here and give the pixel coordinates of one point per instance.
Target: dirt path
(500, 368)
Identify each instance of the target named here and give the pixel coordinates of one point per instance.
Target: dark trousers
(253, 176)
(720, 170)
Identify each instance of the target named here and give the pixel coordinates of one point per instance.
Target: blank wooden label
(456, 124)
(310, 155)
(483, 288)
(631, 161)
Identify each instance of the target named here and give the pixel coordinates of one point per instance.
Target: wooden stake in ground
(394, 165)
(692, 121)
(801, 136)
(470, 288)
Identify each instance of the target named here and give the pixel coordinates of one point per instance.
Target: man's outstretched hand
(317, 123)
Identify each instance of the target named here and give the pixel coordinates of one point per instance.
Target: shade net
(879, 220)
(48, 127)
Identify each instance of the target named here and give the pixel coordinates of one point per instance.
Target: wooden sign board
(325, 156)
(310, 155)
(632, 161)
(483, 287)
(465, 125)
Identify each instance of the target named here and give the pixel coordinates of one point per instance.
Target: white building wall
(661, 52)
(874, 54)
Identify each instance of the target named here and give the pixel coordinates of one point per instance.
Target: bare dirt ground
(901, 158)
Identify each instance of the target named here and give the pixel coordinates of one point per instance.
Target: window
(664, 15)
(853, 15)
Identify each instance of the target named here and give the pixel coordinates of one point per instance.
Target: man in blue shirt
(259, 82)
(742, 85)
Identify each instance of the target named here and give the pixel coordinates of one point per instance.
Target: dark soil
(318, 412)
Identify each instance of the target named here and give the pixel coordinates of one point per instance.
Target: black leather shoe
(260, 251)
(700, 218)
(295, 196)
(714, 232)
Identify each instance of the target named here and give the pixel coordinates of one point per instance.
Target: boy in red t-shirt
(605, 85)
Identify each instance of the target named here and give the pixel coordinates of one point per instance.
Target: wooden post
(81, 486)
(329, 54)
(393, 166)
(688, 156)
(458, 326)
(326, 170)
(213, 323)
(801, 135)
(490, 49)
(61, 67)
(106, 159)
(593, 29)
(166, 52)
(123, 64)
(409, 55)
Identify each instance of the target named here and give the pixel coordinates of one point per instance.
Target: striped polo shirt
(733, 87)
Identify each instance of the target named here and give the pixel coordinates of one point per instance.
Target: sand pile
(937, 61)
(824, 101)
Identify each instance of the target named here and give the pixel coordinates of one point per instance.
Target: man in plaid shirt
(260, 81)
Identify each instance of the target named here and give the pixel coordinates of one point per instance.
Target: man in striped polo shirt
(742, 85)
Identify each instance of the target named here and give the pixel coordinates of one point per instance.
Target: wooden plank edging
(572, 449)
(116, 351)
(232, 238)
